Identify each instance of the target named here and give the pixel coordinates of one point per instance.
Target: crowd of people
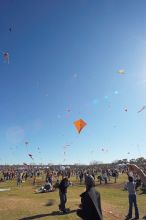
(90, 207)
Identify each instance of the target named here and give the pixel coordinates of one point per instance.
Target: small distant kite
(25, 164)
(39, 151)
(6, 57)
(125, 109)
(80, 124)
(68, 110)
(121, 71)
(26, 142)
(30, 155)
(11, 28)
(141, 109)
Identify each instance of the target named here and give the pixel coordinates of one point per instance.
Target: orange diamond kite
(80, 124)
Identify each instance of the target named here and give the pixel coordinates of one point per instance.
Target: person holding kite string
(131, 188)
(136, 169)
(90, 207)
(64, 184)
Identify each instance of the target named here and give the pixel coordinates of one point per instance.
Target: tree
(132, 161)
(140, 160)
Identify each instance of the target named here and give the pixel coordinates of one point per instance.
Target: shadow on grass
(47, 214)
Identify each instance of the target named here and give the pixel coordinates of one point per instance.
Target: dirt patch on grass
(16, 203)
(111, 212)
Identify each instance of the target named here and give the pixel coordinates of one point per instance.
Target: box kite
(79, 124)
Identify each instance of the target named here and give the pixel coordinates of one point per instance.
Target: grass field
(23, 204)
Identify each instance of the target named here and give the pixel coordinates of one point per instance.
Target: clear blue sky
(64, 62)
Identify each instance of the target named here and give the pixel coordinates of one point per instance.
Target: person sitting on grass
(47, 187)
(131, 188)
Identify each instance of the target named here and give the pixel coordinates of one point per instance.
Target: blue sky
(64, 62)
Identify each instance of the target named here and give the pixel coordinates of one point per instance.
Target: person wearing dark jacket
(90, 208)
(63, 194)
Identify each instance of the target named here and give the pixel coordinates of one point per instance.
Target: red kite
(79, 124)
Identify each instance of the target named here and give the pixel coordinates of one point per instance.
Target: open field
(23, 204)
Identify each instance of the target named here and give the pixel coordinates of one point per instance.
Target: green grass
(22, 202)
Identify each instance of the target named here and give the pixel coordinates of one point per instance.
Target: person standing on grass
(90, 207)
(131, 187)
(63, 194)
(135, 169)
(18, 179)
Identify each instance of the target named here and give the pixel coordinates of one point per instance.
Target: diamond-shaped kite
(80, 124)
